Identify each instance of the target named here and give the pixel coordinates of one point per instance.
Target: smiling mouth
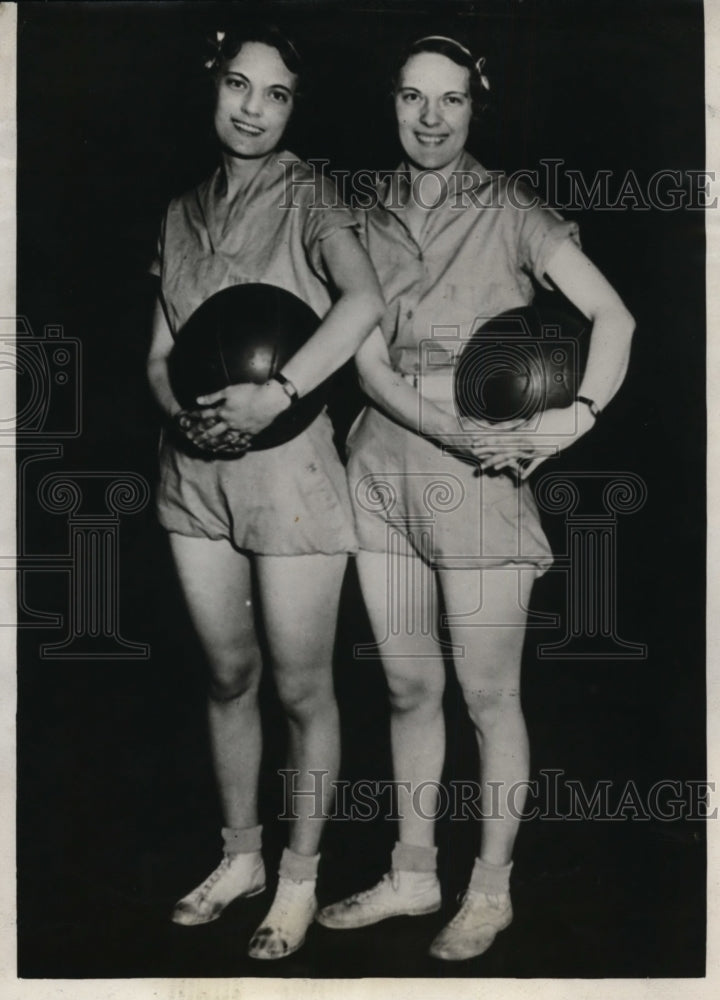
(430, 139)
(246, 129)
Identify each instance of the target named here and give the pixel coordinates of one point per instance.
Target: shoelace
(199, 896)
(212, 878)
(367, 894)
(468, 900)
(203, 890)
(287, 898)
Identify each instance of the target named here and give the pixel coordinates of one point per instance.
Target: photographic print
(360, 440)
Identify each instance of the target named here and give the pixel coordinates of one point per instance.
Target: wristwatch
(287, 387)
(591, 405)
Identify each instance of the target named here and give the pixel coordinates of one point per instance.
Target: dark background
(117, 815)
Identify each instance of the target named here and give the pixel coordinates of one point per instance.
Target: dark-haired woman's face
(433, 108)
(255, 95)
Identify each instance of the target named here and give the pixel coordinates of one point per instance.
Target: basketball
(522, 362)
(245, 333)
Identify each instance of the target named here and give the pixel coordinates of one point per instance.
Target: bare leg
(489, 675)
(216, 583)
(415, 674)
(400, 597)
(215, 579)
(300, 596)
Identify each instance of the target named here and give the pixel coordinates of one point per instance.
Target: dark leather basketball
(522, 362)
(245, 333)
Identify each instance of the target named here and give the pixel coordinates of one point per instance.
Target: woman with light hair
(450, 242)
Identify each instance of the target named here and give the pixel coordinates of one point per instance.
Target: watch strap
(590, 403)
(287, 387)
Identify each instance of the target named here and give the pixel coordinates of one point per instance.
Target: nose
(252, 103)
(429, 114)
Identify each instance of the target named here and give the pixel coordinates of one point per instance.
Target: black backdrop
(116, 811)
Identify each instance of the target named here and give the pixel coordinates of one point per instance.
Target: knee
(304, 697)
(492, 706)
(235, 674)
(412, 694)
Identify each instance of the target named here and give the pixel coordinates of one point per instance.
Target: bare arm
(388, 389)
(157, 371)
(358, 308)
(612, 330)
(607, 363)
(350, 320)
(613, 326)
(196, 424)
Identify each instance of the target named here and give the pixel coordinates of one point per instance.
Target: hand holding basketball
(207, 432)
(227, 353)
(247, 407)
(522, 447)
(196, 425)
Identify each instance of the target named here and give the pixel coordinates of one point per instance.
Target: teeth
(429, 140)
(248, 129)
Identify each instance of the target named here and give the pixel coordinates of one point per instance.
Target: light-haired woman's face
(433, 108)
(255, 95)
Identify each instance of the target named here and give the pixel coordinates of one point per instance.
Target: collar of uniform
(266, 176)
(216, 219)
(394, 189)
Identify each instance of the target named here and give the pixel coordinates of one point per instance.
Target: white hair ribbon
(483, 79)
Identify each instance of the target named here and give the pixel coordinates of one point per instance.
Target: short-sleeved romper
(288, 500)
(474, 261)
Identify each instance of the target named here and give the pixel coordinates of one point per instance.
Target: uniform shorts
(289, 500)
(452, 518)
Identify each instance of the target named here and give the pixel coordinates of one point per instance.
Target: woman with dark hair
(452, 242)
(271, 526)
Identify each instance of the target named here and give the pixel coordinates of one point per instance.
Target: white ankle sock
(491, 879)
(242, 840)
(298, 867)
(414, 858)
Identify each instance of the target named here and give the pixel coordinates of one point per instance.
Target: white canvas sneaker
(399, 893)
(237, 875)
(284, 928)
(473, 928)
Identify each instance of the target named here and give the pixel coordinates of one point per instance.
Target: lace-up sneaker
(284, 928)
(473, 928)
(237, 875)
(399, 893)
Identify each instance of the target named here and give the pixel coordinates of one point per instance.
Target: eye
(279, 96)
(409, 96)
(235, 83)
(455, 100)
